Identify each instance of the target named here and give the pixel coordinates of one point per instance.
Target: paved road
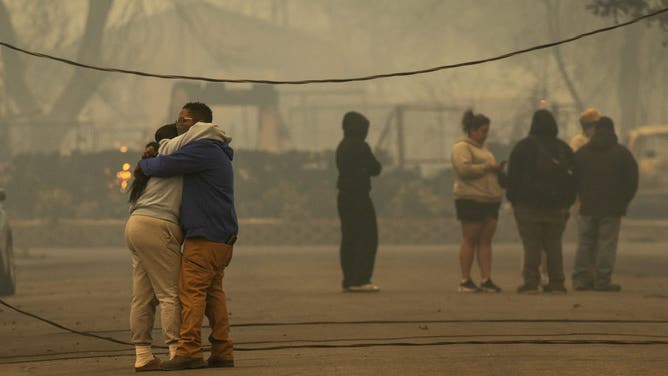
(425, 327)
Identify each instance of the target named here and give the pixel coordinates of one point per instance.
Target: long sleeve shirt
(207, 206)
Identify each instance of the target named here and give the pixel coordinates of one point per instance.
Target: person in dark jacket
(541, 188)
(209, 222)
(359, 233)
(607, 180)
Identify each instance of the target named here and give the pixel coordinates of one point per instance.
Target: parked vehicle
(649, 145)
(7, 273)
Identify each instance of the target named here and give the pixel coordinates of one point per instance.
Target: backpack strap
(543, 150)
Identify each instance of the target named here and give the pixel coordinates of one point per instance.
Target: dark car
(7, 275)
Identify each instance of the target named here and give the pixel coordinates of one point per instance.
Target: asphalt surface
(417, 325)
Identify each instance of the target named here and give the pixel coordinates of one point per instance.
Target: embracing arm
(198, 131)
(191, 158)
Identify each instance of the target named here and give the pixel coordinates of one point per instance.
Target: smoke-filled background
(69, 137)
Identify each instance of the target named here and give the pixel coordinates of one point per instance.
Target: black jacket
(354, 158)
(524, 172)
(606, 175)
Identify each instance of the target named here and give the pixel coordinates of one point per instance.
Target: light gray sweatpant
(155, 246)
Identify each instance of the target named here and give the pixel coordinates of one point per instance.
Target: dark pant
(597, 250)
(359, 237)
(541, 231)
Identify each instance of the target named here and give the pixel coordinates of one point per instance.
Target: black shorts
(476, 211)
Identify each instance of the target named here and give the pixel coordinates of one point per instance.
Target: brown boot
(219, 363)
(183, 362)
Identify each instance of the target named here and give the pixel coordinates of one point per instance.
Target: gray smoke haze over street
(71, 138)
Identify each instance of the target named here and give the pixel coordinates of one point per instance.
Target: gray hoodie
(162, 196)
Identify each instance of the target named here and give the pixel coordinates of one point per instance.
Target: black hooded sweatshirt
(606, 175)
(354, 159)
(523, 169)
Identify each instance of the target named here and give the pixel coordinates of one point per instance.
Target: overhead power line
(337, 80)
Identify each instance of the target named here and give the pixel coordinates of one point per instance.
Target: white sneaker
(369, 287)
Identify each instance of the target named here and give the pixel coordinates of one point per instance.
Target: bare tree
(629, 73)
(83, 83)
(617, 9)
(630, 77)
(14, 70)
(553, 22)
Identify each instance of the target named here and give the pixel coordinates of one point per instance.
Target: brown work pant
(201, 293)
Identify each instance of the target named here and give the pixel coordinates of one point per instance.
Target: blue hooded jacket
(207, 205)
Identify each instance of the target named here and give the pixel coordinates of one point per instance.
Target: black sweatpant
(359, 237)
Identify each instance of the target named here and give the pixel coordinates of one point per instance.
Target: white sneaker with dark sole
(369, 287)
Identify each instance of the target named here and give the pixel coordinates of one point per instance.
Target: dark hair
(155, 145)
(138, 185)
(471, 121)
(543, 124)
(605, 123)
(200, 111)
(140, 179)
(167, 131)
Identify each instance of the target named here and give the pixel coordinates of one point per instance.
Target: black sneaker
(528, 288)
(468, 286)
(557, 288)
(489, 286)
(612, 287)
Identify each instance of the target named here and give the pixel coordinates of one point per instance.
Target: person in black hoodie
(607, 180)
(541, 188)
(359, 233)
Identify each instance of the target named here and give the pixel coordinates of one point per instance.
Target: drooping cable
(336, 80)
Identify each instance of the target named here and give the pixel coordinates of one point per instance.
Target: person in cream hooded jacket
(154, 238)
(476, 173)
(477, 199)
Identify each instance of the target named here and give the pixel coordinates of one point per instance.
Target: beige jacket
(474, 178)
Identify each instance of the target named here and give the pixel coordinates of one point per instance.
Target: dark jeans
(597, 251)
(541, 231)
(359, 237)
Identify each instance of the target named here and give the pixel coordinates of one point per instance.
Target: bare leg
(467, 250)
(487, 231)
